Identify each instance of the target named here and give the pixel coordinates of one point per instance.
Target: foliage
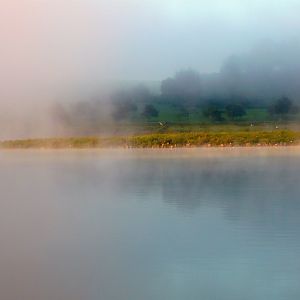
(213, 112)
(235, 111)
(186, 85)
(282, 107)
(150, 111)
(123, 108)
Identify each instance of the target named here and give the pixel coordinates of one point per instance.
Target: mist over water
(145, 225)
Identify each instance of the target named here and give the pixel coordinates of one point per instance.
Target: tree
(150, 111)
(185, 87)
(235, 111)
(282, 107)
(183, 113)
(123, 104)
(213, 112)
(122, 110)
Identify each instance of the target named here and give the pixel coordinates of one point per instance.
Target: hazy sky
(52, 50)
(57, 42)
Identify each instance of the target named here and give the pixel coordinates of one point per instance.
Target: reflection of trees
(263, 192)
(250, 191)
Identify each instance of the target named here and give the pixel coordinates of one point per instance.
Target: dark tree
(235, 111)
(123, 104)
(282, 107)
(213, 112)
(185, 87)
(122, 110)
(150, 111)
(183, 113)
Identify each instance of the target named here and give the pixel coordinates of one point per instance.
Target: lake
(150, 225)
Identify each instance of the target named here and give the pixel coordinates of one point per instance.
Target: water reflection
(94, 226)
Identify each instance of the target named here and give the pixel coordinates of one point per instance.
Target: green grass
(256, 115)
(172, 114)
(164, 140)
(149, 127)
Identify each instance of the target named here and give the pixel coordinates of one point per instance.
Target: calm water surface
(138, 225)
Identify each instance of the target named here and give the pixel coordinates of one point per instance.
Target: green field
(172, 114)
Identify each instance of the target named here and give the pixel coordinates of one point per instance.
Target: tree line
(184, 92)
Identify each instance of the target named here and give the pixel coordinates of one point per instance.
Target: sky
(63, 40)
(51, 49)
(49, 46)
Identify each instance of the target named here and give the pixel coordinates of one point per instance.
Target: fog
(78, 51)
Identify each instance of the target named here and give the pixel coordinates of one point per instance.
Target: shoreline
(176, 140)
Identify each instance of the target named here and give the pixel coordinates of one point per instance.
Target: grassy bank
(164, 140)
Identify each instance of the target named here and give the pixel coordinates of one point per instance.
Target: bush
(150, 111)
(283, 107)
(235, 111)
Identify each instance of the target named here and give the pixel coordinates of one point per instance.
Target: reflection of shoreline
(183, 152)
